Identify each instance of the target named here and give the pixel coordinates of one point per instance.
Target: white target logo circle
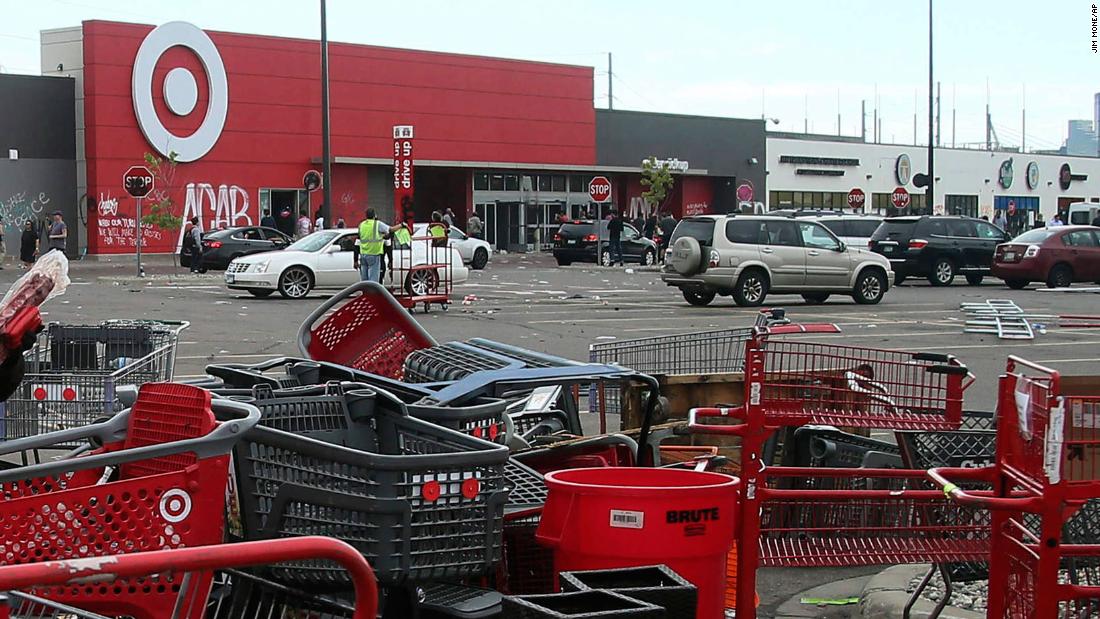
(175, 505)
(180, 91)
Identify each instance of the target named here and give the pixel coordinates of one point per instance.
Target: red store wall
(465, 108)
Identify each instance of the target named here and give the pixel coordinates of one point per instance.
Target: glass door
(488, 214)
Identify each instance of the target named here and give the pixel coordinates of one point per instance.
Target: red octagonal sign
(138, 181)
(599, 189)
(900, 197)
(856, 198)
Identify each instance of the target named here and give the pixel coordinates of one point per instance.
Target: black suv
(938, 247)
(575, 241)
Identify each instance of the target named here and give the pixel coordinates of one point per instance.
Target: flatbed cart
(426, 283)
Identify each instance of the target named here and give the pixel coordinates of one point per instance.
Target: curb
(160, 279)
(885, 596)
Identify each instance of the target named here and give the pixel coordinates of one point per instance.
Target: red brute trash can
(626, 517)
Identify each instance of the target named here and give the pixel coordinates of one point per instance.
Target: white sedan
(325, 260)
(474, 252)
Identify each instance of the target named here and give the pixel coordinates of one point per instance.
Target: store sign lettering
(695, 208)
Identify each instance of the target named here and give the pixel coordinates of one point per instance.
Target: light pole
(930, 196)
(326, 155)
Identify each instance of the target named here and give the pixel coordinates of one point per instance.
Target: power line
(631, 89)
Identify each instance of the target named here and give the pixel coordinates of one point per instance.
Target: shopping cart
(1045, 482)
(425, 274)
(110, 572)
(73, 371)
(365, 328)
(158, 481)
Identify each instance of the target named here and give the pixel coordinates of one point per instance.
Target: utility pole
(806, 114)
(931, 199)
(326, 153)
(1023, 122)
(939, 111)
(874, 121)
(863, 120)
(610, 82)
(953, 94)
(838, 112)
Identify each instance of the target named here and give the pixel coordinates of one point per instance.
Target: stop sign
(599, 189)
(138, 181)
(900, 197)
(856, 198)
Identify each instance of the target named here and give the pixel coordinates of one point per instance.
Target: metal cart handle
(219, 441)
(696, 427)
(951, 490)
(201, 558)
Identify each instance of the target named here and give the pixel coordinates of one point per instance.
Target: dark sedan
(576, 242)
(220, 247)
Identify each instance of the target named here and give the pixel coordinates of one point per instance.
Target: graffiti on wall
(21, 206)
(696, 208)
(215, 205)
(117, 231)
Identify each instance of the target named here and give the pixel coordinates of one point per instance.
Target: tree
(161, 205)
(657, 179)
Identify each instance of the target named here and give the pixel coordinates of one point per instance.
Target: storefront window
(496, 182)
(481, 181)
(966, 206)
(557, 182)
(511, 182)
(578, 183)
(544, 182)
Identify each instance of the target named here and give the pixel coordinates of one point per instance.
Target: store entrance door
(284, 208)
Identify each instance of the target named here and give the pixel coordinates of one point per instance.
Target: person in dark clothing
(649, 229)
(286, 223)
(615, 237)
(639, 223)
(28, 245)
(193, 243)
(667, 225)
(1096, 220)
(267, 220)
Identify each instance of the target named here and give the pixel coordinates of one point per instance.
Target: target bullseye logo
(175, 505)
(181, 91)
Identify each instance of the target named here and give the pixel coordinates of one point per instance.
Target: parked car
(1057, 256)
(855, 230)
(474, 252)
(1082, 213)
(750, 256)
(221, 247)
(938, 247)
(325, 260)
(575, 241)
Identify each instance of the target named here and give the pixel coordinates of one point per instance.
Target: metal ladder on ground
(1001, 317)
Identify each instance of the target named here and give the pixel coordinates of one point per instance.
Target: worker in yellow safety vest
(438, 230)
(368, 260)
(399, 237)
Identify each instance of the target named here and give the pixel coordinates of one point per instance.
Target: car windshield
(314, 242)
(1037, 235)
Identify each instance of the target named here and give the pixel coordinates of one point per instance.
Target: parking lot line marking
(230, 356)
(1085, 360)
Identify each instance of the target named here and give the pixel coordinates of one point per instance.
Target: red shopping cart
(423, 273)
(1045, 500)
(365, 328)
(118, 570)
(158, 482)
(841, 516)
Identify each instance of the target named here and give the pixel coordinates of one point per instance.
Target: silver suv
(748, 256)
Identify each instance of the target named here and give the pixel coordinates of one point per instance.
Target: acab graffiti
(216, 206)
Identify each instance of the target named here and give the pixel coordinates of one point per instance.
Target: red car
(1058, 256)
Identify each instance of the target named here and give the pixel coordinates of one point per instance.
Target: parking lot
(529, 301)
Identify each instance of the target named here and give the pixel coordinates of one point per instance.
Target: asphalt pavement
(529, 301)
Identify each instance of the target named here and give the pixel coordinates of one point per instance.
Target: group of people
(377, 240)
(57, 235)
(657, 228)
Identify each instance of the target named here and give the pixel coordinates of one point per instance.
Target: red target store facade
(514, 141)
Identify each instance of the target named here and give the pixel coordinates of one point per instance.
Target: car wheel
(943, 272)
(261, 293)
(649, 257)
(421, 282)
(974, 279)
(481, 258)
(562, 262)
(816, 299)
(295, 283)
(1061, 276)
(605, 259)
(870, 287)
(751, 288)
(1017, 284)
(698, 298)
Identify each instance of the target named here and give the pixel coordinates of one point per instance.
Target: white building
(815, 171)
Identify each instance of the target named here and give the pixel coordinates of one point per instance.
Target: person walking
(649, 229)
(340, 223)
(1000, 220)
(1096, 220)
(59, 233)
(1055, 221)
(368, 260)
(474, 226)
(267, 221)
(615, 237)
(437, 230)
(449, 218)
(667, 225)
(28, 245)
(285, 222)
(194, 244)
(304, 226)
(319, 221)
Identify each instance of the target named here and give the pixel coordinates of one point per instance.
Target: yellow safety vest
(437, 230)
(402, 236)
(370, 242)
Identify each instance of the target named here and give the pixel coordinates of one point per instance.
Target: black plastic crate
(579, 605)
(826, 446)
(656, 584)
(422, 503)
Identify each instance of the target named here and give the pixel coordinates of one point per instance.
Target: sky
(799, 62)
